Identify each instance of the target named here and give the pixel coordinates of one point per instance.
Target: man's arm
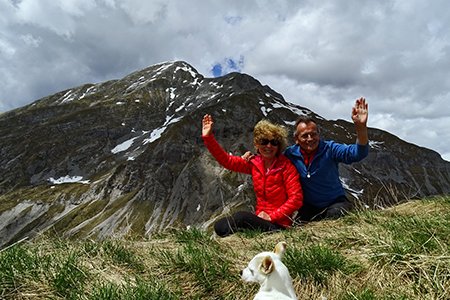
(359, 117)
(248, 156)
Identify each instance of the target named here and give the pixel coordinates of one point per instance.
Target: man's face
(308, 137)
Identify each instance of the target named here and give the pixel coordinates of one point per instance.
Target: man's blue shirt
(320, 180)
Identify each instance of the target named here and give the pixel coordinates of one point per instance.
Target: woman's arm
(232, 163)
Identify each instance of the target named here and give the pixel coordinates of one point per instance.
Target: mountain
(127, 156)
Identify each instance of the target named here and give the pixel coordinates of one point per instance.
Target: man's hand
(248, 156)
(359, 116)
(265, 216)
(207, 125)
(360, 112)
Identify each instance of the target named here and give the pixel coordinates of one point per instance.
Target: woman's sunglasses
(264, 142)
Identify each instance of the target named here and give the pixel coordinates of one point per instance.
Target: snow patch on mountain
(68, 179)
(123, 146)
(357, 194)
(156, 134)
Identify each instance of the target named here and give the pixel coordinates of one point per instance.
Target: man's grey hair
(304, 119)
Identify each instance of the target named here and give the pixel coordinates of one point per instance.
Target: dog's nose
(240, 272)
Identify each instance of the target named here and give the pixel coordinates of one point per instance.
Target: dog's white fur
(267, 269)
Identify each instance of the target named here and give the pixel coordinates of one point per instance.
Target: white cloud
(46, 14)
(318, 54)
(142, 12)
(31, 41)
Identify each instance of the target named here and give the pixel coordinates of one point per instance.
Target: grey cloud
(319, 54)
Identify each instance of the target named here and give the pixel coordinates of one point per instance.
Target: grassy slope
(400, 253)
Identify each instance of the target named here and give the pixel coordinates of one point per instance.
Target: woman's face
(268, 151)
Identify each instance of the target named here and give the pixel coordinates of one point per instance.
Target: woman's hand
(265, 216)
(207, 125)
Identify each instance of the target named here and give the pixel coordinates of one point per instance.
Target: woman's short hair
(265, 127)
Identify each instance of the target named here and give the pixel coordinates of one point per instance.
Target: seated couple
(303, 178)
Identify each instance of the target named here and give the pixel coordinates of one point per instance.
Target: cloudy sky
(318, 54)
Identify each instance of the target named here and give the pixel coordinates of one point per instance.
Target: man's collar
(312, 153)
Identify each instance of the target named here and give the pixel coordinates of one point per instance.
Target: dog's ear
(267, 265)
(280, 248)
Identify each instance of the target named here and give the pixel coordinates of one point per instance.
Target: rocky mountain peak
(127, 155)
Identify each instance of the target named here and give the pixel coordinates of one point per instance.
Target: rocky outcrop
(127, 156)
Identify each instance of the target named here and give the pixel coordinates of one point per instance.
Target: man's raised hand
(360, 112)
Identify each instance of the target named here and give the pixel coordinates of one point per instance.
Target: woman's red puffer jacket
(278, 192)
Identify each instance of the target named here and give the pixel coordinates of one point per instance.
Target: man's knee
(339, 209)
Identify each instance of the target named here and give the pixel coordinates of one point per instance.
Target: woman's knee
(240, 216)
(222, 227)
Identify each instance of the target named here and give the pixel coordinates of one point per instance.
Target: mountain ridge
(126, 155)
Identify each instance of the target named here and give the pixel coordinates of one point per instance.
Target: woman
(275, 180)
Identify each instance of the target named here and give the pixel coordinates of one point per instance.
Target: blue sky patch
(228, 65)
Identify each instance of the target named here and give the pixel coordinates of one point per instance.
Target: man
(317, 162)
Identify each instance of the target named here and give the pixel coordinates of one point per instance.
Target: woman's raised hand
(207, 125)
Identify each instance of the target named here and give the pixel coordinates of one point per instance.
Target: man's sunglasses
(264, 142)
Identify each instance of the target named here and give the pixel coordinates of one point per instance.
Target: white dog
(267, 269)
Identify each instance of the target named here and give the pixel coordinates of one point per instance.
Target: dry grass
(399, 253)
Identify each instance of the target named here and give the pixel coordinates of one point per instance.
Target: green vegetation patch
(201, 257)
(400, 253)
(318, 263)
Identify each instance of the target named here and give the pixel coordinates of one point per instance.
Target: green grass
(400, 253)
(318, 263)
(149, 289)
(120, 254)
(19, 265)
(68, 276)
(199, 256)
(371, 294)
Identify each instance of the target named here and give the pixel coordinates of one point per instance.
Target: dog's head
(263, 264)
